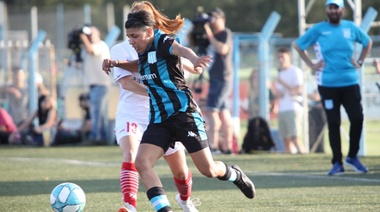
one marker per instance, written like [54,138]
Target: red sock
[129,183]
[184,186]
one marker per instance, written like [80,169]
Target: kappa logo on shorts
[191,134]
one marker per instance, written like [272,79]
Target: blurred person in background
[96,51]
[338,79]
[39,82]
[376,64]
[252,102]
[7,126]
[46,114]
[67,134]
[317,118]
[288,90]
[220,87]
[17,96]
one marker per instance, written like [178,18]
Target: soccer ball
[67,197]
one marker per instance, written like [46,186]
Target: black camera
[74,41]
[198,34]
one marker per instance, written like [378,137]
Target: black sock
[158,199]
[227,175]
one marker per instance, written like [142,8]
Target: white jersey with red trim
[131,105]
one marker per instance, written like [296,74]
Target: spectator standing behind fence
[253,95]
[220,73]
[338,78]
[16,95]
[288,90]
[96,51]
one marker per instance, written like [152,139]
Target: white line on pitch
[105,164]
[300,175]
[60,160]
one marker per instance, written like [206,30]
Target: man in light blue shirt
[338,78]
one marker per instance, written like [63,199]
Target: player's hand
[202,63]
[107,65]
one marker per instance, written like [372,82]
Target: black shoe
[244,183]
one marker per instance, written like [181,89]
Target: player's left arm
[200,63]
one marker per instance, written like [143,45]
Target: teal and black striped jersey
[163,75]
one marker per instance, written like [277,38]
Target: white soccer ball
[67,197]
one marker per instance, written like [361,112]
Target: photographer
[220,73]
[197,37]
[96,51]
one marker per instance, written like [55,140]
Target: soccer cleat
[336,169]
[244,183]
[127,208]
[188,205]
[356,165]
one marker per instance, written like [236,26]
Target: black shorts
[188,128]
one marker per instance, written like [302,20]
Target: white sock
[233,174]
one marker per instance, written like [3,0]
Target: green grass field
[283,182]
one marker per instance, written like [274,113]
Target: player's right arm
[108,64]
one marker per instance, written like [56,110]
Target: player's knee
[140,165]
[129,156]
[180,175]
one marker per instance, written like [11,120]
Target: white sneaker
[189,205]
[127,208]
